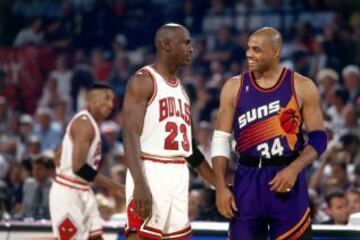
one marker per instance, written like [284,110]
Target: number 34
[276,149]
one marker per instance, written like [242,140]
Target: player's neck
[270,74]
[165,69]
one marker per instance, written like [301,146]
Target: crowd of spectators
[96,40]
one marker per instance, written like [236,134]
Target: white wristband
[220,145]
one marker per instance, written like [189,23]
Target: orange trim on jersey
[154,87]
[303,224]
[293,89]
[71,186]
[164,161]
[273,88]
[70,179]
[239,91]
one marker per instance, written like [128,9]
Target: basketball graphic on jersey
[289,121]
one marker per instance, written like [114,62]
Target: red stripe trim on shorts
[165,161]
[70,186]
[70,179]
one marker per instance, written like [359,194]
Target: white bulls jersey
[94,154]
[167,123]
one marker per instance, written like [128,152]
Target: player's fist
[143,201]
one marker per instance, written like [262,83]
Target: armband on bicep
[196,158]
[86,172]
[318,140]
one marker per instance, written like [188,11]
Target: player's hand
[284,180]
[225,202]
[143,201]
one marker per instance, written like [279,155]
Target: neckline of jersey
[272,88]
[163,79]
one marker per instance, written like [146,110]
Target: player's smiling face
[259,53]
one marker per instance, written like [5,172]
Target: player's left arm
[309,100]
[197,160]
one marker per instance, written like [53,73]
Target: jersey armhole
[293,89]
[151,99]
[239,90]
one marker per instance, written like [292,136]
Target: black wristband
[196,158]
[86,172]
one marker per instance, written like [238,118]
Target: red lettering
[163,107]
[187,114]
[172,107]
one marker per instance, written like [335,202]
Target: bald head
[272,34]
[166,33]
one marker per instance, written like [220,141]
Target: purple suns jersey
[267,122]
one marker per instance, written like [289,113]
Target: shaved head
[166,33]
[272,34]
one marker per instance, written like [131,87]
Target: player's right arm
[225,200]
[138,91]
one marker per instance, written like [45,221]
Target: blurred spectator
[51,95]
[338,208]
[194,204]
[60,116]
[204,136]
[33,147]
[353,198]
[318,59]
[119,77]
[14,185]
[351,144]
[8,91]
[31,34]
[100,66]
[55,35]
[35,203]
[50,137]
[351,77]
[326,79]
[356,183]
[25,130]
[62,75]
[339,99]
[331,173]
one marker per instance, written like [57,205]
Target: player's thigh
[66,215]
[92,213]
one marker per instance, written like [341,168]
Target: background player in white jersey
[158,142]
[73,208]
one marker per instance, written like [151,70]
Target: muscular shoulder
[231,88]
[232,85]
[304,88]
[140,84]
[82,128]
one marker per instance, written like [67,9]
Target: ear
[166,45]
[277,53]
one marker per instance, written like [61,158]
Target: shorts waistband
[71,182]
[250,161]
[163,160]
